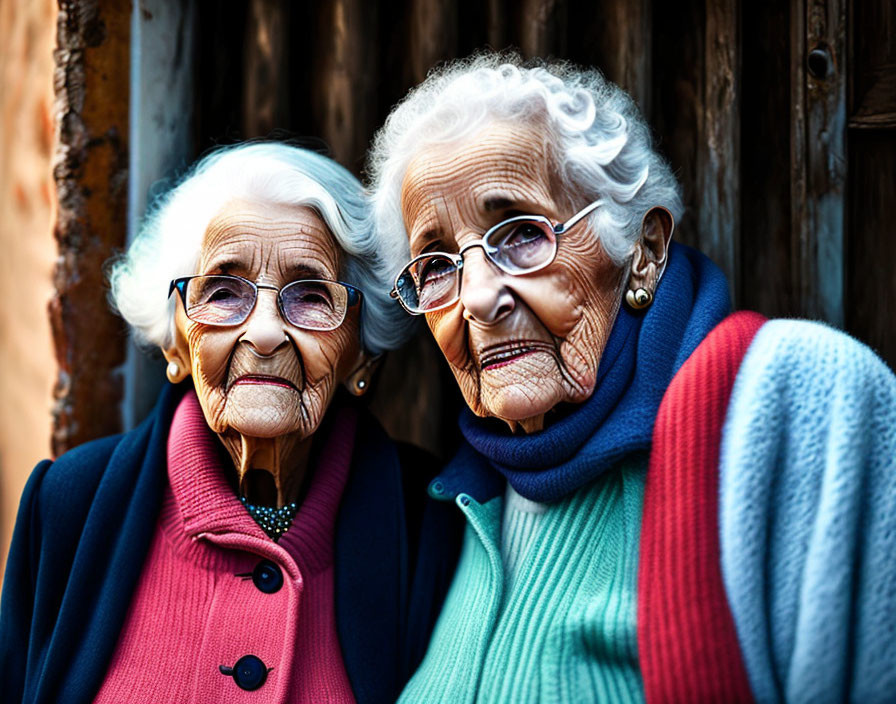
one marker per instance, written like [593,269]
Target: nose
[265,329]
[483,292]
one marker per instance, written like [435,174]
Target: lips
[265,379]
[495,356]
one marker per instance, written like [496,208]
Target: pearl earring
[173,370]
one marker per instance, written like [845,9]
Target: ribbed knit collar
[642,354]
[207,504]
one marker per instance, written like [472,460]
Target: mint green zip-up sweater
[563,628]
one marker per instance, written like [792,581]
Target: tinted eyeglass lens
[219,300]
[521,246]
[314,305]
[429,283]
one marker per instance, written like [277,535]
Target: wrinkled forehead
[504,161]
[251,239]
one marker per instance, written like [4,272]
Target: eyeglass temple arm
[564,226]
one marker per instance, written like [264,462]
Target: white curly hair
[170,238]
[601,144]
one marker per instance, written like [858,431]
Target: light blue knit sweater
[808,516]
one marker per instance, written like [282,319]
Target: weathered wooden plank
[266,73]
[718,145]
[870,290]
[765,251]
[878,107]
[677,87]
[498,24]
[91,174]
[542,27]
[343,91]
[218,97]
[616,37]
[872,100]
[433,35]
[818,154]
[871,285]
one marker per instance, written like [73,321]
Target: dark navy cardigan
[84,528]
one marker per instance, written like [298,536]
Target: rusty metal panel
[91,174]
[162,44]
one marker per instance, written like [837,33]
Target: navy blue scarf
[642,354]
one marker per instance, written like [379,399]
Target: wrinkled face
[518,345]
[265,377]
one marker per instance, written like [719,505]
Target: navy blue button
[249,673]
[267,577]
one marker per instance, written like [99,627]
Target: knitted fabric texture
[196,607]
[640,358]
[563,630]
[686,636]
[808,516]
[520,522]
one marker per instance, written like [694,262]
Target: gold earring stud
[639,299]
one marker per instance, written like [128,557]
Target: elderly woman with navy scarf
[258,535]
[663,501]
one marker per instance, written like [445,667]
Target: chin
[260,425]
[270,414]
[518,402]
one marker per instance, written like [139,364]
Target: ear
[359,378]
[178,358]
[651,250]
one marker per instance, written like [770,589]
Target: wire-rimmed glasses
[520,245]
[223,299]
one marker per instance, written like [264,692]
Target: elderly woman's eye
[525,234]
[222,294]
[216,291]
[433,269]
[311,295]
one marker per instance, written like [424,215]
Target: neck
[270,471]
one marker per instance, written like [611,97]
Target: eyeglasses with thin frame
[223,300]
[519,245]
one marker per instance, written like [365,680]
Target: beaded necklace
[273,521]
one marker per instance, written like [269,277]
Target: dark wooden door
[780,120]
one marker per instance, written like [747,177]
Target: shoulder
[810,367]
[61,491]
[804,345]
[806,513]
[76,473]
[803,384]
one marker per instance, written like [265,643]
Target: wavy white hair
[170,238]
[600,143]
